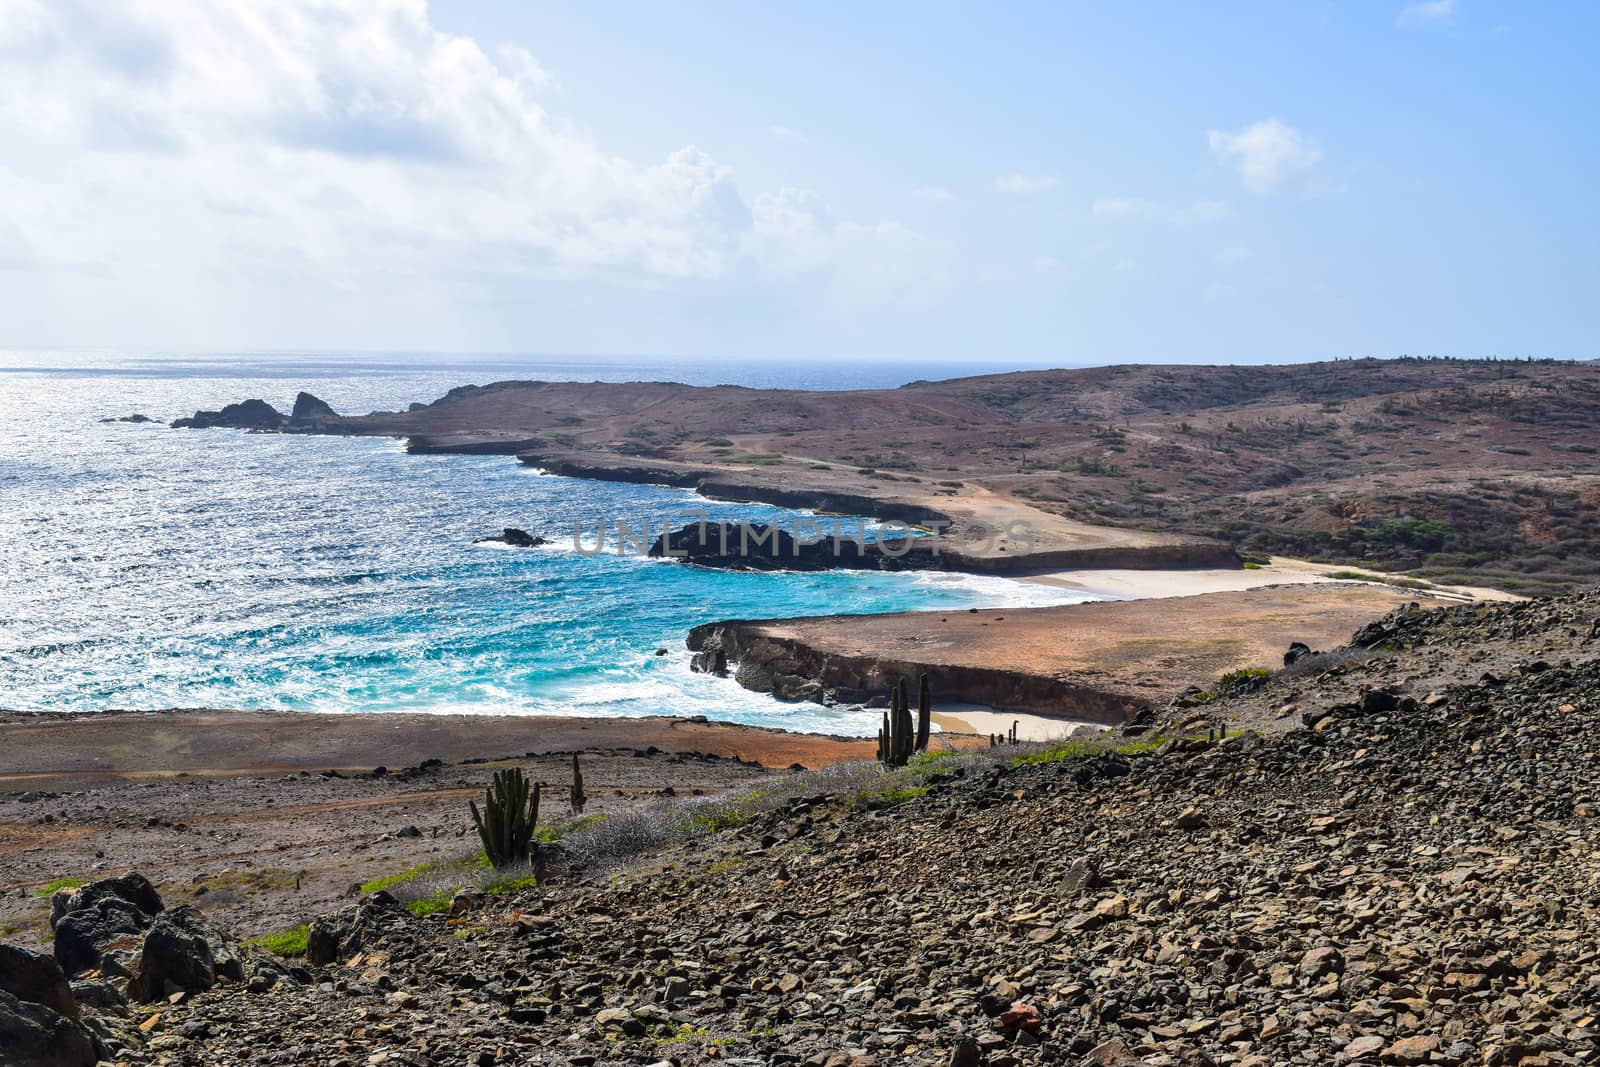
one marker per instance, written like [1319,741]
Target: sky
[1056,182]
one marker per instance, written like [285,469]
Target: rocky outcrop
[129,418]
[638,472]
[245,415]
[511,535]
[761,547]
[341,935]
[103,923]
[309,411]
[183,952]
[791,670]
[32,977]
[34,1035]
[309,415]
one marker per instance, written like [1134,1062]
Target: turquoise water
[143,567]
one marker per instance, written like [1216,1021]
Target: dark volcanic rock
[83,933]
[759,547]
[129,418]
[133,887]
[32,977]
[310,409]
[37,1036]
[337,936]
[514,537]
[183,951]
[245,415]
[100,914]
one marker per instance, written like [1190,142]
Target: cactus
[896,741]
[509,815]
[578,797]
[924,713]
[1012,738]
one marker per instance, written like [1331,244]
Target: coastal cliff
[1096,662]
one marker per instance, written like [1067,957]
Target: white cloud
[937,194]
[1269,155]
[342,144]
[1025,183]
[1425,14]
[1123,207]
[785,133]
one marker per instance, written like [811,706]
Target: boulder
[183,951]
[83,933]
[335,937]
[42,1037]
[133,887]
[37,979]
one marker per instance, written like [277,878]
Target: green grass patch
[1246,676]
[432,904]
[895,795]
[1078,748]
[505,885]
[60,883]
[290,943]
[479,862]
[759,459]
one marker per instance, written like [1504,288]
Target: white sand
[1140,585]
[983,721]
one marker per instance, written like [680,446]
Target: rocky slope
[1388,878]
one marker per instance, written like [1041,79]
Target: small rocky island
[769,547]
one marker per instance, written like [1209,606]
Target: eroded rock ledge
[1099,662]
[791,670]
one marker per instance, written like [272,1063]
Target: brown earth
[238,813]
[1098,662]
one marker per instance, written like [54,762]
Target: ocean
[144,567]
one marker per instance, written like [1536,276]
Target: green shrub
[290,943]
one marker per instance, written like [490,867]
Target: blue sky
[1070,183]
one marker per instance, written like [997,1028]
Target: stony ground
[1404,880]
[1396,879]
[260,852]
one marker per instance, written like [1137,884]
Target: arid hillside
[1469,472]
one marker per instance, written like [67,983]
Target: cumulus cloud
[342,140]
[1022,184]
[1269,155]
[1425,14]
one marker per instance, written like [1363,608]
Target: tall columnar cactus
[896,739]
[924,713]
[510,814]
[578,797]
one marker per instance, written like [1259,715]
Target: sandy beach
[1123,584]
